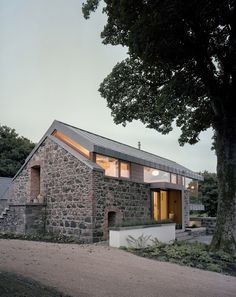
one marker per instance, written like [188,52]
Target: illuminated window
[124,169]
[110,165]
[71,142]
[152,175]
[192,186]
[179,180]
[173,178]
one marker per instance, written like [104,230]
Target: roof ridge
[120,143]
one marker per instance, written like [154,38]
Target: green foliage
[142,222]
[208,193]
[139,242]
[47,237]
[189,254]
[13,151]
[180,69]
[176,70]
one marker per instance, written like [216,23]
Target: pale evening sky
[51,64]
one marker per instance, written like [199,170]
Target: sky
[52,61]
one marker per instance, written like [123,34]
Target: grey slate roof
[116,149]
[4,184]
[102,145]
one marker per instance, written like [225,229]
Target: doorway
[166,204]
[111,218]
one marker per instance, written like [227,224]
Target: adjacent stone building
[78,184]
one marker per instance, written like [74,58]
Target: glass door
[163,205]
[156,205]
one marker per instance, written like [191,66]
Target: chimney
[139,145]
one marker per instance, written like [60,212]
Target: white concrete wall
[164,233]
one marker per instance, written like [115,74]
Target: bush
[129,223]
[190,254]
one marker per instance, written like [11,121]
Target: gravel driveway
[100,271]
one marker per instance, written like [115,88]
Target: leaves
[13,151]
[179,66]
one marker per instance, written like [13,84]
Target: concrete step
[184,235]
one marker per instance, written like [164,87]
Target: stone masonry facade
[77,199]
[186,208]
[127,199]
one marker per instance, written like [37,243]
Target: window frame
[119,166]
[129,169]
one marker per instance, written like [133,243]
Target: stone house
[78,183]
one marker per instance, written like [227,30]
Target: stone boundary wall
[209,223]
[24,218]
[3,204]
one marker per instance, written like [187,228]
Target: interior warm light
[192,187]
[155,172]
[70,142]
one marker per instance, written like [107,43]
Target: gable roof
[102,145]
[4,184]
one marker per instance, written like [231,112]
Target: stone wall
[209,223]
[129,200]
[186,208]
[23,218]
[3,204]
[14,220]
[65,184]
[68,192]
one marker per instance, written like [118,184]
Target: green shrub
[129,223]
[190,254]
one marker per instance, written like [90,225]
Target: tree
[181,69]
[13,151]
[208,192]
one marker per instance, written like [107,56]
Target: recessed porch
[167,203]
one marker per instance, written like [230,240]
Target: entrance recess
[166,204]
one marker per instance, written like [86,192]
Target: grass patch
[190,254]
[47,237]
[129,223]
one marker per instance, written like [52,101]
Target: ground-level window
[35,182]
[110,165]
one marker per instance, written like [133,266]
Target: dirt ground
[13,285]
[100,271]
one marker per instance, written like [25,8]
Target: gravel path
[100,271]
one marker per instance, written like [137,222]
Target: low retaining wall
[208,222]
[24,218]
[164,233]
[3,204]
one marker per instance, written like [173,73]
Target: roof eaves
[183,171]
[92,165]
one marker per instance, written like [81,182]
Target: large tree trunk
[225,233]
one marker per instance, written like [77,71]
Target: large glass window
[124,169]
[192,186]
[110,165]
[173,178]
[179,180]
[152,175]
